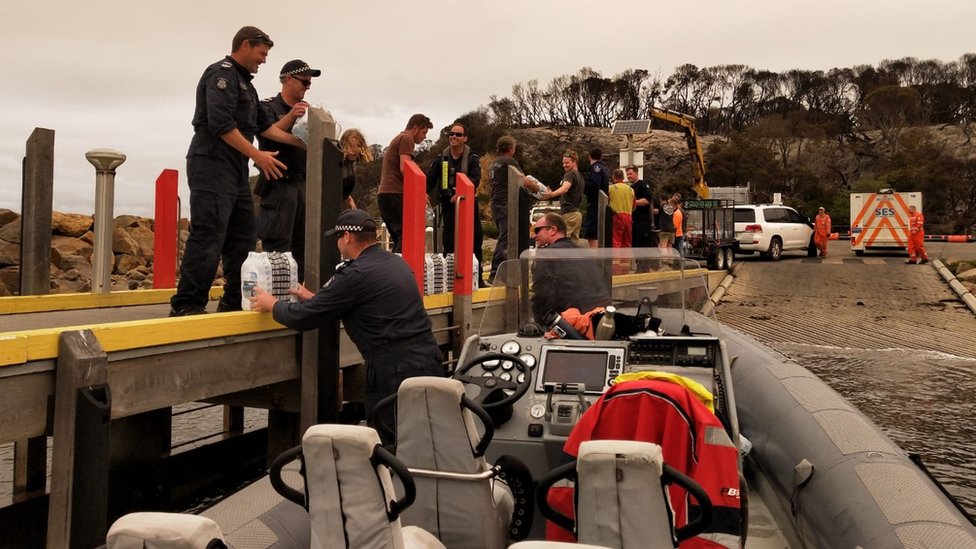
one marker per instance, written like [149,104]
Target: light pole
[105,162]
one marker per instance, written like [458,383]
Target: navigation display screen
[588,367]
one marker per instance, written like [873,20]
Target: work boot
[910,262]
[923,261]
[223,307]
[187,310]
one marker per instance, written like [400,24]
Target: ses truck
[880,220]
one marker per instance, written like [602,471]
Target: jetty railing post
[105,162]
[165,229]
[463,260]
[516,243]
[414,221]
[37,193]
[323,201]
[78,506]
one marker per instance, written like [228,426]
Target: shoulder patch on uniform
[221,83]
[242,85]
[226,65]
[596,168]
[267,100]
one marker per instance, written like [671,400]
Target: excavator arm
[687,122]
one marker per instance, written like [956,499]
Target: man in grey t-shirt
[570,194]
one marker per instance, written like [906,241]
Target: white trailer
[880,220]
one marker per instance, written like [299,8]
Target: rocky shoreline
[72,239]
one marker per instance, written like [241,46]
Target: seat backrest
[620,499]
[349,498]
[436,432]
[164,531]
[692,439]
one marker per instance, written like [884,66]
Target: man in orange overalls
[821,231]
[916,236]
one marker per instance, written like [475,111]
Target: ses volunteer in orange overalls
[821,231]
[916,236]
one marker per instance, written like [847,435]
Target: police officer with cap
[281,219]
[225,122]
[375,295]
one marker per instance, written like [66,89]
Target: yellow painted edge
[68,302]
[119,336]
[657,275]
[13,349]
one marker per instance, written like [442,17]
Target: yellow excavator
[687,122]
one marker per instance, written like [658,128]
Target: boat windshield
[654,291]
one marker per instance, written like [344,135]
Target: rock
[72,274]
[10,280]
[183,225]
[6,216]
[9,253]
[968,275]
[144,238]
[77,263]
[11,231]
[126,262]
[124,221]
[122,243]
[135,274]
[66,245]
[64,286]
[70,224]
[88,237]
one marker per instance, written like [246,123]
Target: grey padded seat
[349,498]
[164,531]
[436,433]
[621,501]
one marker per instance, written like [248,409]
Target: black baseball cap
[297,66]
[353,221]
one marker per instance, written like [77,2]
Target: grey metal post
[601,219]
[105,162]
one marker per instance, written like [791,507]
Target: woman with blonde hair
[355,149]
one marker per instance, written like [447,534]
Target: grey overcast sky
[121,74]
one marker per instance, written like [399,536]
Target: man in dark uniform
[225,122]
[558,284]
[375,295]
[597,179]
[281,219]
[458,157]
[643,235]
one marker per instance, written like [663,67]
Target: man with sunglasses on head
[281,218]
[225,122]
[442,181]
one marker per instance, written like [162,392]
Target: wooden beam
[78,508]
[36,200]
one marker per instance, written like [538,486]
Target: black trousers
[222,226]
[391,210]
[448,213]
[387,369]
[281,220]
[500,214]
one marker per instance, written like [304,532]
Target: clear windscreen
[653,290]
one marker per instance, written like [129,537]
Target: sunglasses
[304,82]
[537,230]
[455,134]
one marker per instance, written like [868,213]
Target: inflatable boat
[598,406]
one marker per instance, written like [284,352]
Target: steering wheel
[491,387]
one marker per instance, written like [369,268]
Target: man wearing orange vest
[821,232]
[916,236]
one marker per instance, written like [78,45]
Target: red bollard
[464,235]
[165,234]
[414,221]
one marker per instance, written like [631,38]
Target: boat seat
[552,545]
[693,442]
[461,499]
[164,531]
[620,496]
[350,494]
